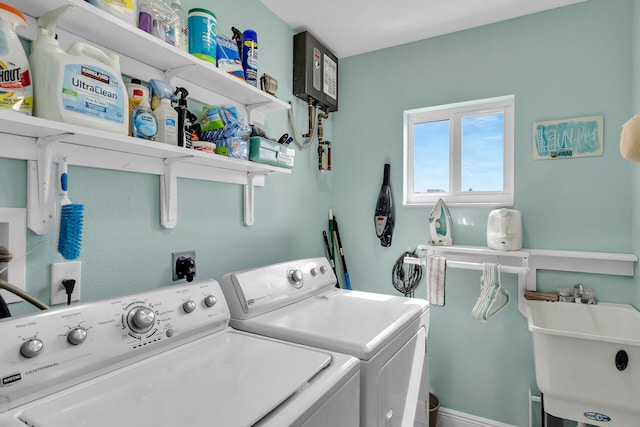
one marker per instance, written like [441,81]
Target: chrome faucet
[582,295]
[578,291]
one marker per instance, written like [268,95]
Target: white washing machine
[165,358]
[297,301]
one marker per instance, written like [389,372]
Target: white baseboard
[451,418]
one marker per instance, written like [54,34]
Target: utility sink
[587,361]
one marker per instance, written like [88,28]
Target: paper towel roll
[630,139]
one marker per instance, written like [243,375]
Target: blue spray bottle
[250,57]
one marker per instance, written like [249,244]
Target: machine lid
[227,379]
[350,322]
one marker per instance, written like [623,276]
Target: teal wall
[565,63]
[635,176]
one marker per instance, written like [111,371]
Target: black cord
[406,277]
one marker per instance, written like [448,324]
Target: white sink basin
[577,348]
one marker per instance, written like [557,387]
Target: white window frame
[454,113]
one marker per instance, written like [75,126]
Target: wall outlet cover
[59,272]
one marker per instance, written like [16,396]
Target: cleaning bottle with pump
[81,86]
[16,92]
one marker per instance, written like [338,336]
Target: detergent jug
[81,86]
[504,230]
[16,92]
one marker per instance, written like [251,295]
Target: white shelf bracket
[169,193]
[249,196]
[173,72]
[254,114]
[41,185]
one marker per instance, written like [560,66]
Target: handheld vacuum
[384,218]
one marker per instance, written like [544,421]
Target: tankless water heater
[315,72]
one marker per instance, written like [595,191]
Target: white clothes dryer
[165,358]
[297,301]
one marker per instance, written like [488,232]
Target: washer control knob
[295,277]
[210,300]
[314,272]
[76,336]
[31,348]
[141,319]
[323,269]
[189,306]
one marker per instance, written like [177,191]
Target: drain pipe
[533,399]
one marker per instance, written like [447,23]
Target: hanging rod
[470,265]
[478,266]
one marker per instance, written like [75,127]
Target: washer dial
[295,278]
[31,348]
[141,319]
[77,335]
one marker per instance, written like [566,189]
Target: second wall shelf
[525,263]
[44,142]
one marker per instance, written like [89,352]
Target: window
[462,153]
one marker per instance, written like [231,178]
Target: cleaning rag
[436,276]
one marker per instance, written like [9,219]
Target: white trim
[454,114]
[451,418]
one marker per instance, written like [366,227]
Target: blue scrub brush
[71,218]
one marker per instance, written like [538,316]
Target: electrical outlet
[62,271]
[175,256]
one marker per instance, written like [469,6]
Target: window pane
[483,153]
[431,157]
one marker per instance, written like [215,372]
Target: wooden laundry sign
[566,139]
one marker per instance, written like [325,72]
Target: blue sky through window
[482,154]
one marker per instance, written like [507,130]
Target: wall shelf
[525,263]
[92,24]
[44,142]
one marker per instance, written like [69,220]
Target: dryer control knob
[323,269]
[295,277]
[189,306]
[76,336]
[314,272]
[210,300]
[141,319]
[31,348]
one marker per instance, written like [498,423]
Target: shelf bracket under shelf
[173,72]
[41,186]
[169,192]
[249,196]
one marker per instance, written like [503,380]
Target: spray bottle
[16,92]
[81,86]
[186,119]
[250,57]
[384,218]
